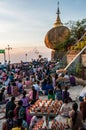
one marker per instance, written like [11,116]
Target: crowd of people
[21,85]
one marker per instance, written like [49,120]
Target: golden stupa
[56,35]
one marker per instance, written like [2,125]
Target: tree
[77,29]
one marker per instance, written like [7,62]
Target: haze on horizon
[24,24]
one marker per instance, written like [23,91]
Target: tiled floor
[74,93]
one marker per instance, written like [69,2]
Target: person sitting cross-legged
[65,109]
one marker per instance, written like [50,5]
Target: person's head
[71,74]
[24,93]
[27,78]
[75,106]
[59,86]
[0,82]
[20,102]
[50,91]
[33,87]
[3,89]
[13,99]
[66,88]
[66,100]
[66,73]
[14,84]
[62,75]
[10,114]
[20,81]
[34,92]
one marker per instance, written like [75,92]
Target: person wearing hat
[83,108]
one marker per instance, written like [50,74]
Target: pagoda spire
[58,21]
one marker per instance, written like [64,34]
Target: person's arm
[71,113]
[63,96]
[30,95]
[33,121]
[61,109]
[4,126]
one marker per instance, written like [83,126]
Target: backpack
[11,124]
[22,113]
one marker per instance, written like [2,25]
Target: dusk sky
[24,23]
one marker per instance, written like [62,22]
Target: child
[65,109]
[51,94]
[25,100]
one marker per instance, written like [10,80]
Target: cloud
[28,21]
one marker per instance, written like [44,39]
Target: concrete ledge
[80,81]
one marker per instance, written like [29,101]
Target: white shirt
[65,109]
[66,76]
[36,87]
[83,93]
